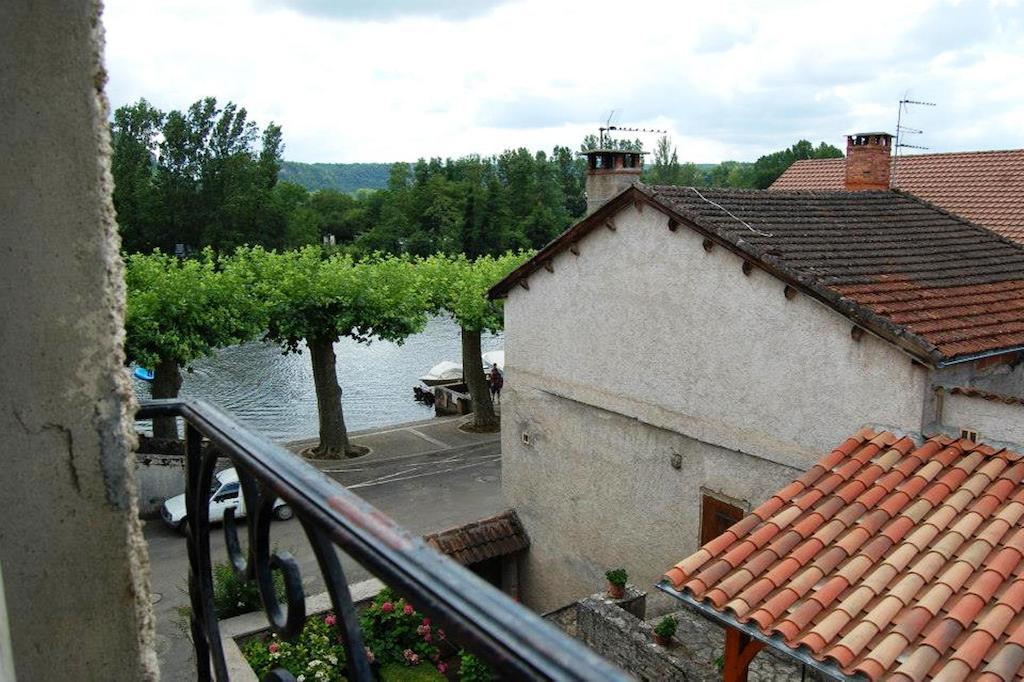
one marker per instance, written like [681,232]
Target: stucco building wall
[75,568]
[995,422]
[647,344]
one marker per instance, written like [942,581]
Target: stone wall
[75,566]
[159,477]
[694,653]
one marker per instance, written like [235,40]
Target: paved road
[427,476]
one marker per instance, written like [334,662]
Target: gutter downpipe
[829,670]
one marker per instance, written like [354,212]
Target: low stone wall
[623,637]
[159,477]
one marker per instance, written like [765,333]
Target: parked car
[225,493]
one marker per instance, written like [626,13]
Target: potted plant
[616,582]
[664,630]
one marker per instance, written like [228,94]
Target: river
[273,393]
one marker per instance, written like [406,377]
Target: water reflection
[274,394]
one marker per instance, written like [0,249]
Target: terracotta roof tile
[928,582]
[984,187]
[481,540]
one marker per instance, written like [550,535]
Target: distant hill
[345,177]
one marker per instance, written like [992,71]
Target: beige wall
[75,570]
[995,422]
[645,328]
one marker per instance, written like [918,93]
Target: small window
[716,517]
[228,492]
[969,434]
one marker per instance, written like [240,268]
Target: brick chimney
[609,171]
[868,161]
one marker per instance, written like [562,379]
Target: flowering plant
[317,654]
[395,631]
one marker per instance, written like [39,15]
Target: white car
[225,493]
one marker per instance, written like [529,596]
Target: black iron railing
[515,641]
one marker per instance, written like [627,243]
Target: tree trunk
[166,383]
[476,380]
[333,436]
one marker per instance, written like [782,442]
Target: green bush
[473,669]
[666,627]
[233,596]
[396,633]
[617,577]
[318,653]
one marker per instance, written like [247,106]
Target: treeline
[181,309]
[343,177]
[664,167]
[208,177]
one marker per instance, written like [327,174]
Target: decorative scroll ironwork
[515,641]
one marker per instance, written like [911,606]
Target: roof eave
[829,670]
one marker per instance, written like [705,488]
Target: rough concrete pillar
[75,568]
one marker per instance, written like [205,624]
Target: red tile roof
[971,392]
[984,187]
[939,287]
[481,540]
[886,559]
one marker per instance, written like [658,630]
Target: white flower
[300,678]
[333,659]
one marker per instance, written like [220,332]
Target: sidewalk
[406,440]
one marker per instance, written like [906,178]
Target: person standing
[496,382]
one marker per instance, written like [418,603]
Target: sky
[389,80]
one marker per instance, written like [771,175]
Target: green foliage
[617,577]
[666,627]
[396,672]
[202,177]
[458,286]
[473,669]
[396,633]
[340,177]
[317,654]
[182,309]
[233,596]
[308,294]
[666,169]
[591,142]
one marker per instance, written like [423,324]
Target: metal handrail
[511,638]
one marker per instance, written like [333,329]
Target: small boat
[443,372]
[143,373]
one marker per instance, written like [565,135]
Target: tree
[769,167]
[134,138]
[459,287]
[317,299]
[180,310]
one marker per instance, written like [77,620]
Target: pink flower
[426,621]
[408,609]
[423,629]
[411,657]
[442,668]
[273,647]
[369,654]
[330,619]
[427,637]
[440,633]
[387,607]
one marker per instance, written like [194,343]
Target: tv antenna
[902,130]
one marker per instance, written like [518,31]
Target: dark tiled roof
[972,392]
[481,540]
[985,187]
[889,560]
[938,286]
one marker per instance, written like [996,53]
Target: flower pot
[616,591]
[662,641]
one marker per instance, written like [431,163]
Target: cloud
[384,10]
[731,79]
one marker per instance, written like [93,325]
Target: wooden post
[740,650]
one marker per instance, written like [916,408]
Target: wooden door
[716,517]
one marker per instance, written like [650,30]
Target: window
[716,517]
[228,492]
[969,434]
